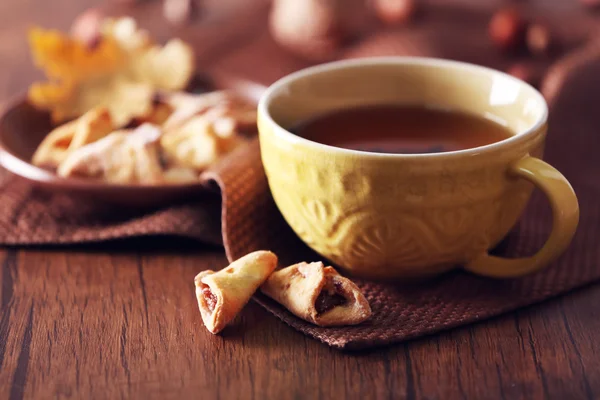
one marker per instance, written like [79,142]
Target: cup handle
[565,213]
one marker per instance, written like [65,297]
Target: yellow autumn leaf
[121,73]
[64,58]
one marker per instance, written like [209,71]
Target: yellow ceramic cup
[411,215]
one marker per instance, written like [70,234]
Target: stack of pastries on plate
[121,110]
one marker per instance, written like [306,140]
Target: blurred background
[265,39]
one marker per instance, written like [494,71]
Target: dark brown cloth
[29,216]
[250,221]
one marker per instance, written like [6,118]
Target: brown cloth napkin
[251,221]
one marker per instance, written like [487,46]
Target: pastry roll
[318,294]
[156,115]
[180,175]
[197,145]
[121,157]
[63,140]
[215,106]
[221,295]
[188,105]
[204,128]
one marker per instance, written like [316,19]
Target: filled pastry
[221,295]
[203,128]
[187,105]
[197,144]
[218,106]
[121,157]
[318,294]
[91,126]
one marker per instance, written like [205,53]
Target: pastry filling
[329,298]
[209,298]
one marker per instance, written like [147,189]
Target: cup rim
[265,100]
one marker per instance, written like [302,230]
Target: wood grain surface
[120,320]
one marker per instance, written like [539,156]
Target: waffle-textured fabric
[250,221]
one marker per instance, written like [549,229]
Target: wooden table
[120,320]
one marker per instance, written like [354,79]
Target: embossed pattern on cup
[389,220]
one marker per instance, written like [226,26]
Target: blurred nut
[506,29]
[317,29]
[395,11]
[538,39]
[87,27]
[179,12]
[529,72]
[311,28]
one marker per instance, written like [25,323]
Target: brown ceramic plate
[22,128]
